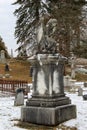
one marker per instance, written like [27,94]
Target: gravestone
[2,58]
[19,98]
[67,81]
[48,105]
[80,91]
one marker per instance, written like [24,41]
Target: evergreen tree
[3,47]
[70,15]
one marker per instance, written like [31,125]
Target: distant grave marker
[2,58]
[19,98]
[80,91]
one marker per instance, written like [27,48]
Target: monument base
[50,116]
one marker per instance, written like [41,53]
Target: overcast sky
[7,24]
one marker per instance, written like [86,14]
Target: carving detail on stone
[46,42]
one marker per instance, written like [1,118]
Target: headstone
[19,98]
[3,59]
[67,81]
[80,91]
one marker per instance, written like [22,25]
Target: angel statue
[46,43]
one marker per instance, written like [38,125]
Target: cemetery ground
[19,70]
[10,114]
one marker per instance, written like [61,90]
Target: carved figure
[46,43]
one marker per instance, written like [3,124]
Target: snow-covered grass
[9,114]
[81,121]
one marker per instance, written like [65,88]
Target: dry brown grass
[79,76]
[41,127]
[19,70]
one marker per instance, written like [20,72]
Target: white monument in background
[2,56]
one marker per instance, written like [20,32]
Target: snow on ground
[9,112]
[81,121]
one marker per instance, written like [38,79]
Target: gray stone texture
[2,56]
[48,115]
[19,97]
[80,91]
[49,105]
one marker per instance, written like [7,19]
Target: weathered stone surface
[48,74]
[48,115]
[48,105]
[19,97]
[80,91]
[48,102]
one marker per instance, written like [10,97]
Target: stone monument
[19,97]
[73,62]
[49,105]
[80,91]
[2,57]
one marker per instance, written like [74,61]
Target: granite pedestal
[49,105]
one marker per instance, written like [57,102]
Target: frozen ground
[81,121]
[9,113]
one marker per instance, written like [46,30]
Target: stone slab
[48,102]
[48,116]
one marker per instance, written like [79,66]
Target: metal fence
[12,85]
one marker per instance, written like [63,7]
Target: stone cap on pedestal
[47,58]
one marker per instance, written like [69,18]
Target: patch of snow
[9,113]
[81,105]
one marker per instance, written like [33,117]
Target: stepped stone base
[48,105]
[51,116]
[48,102]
